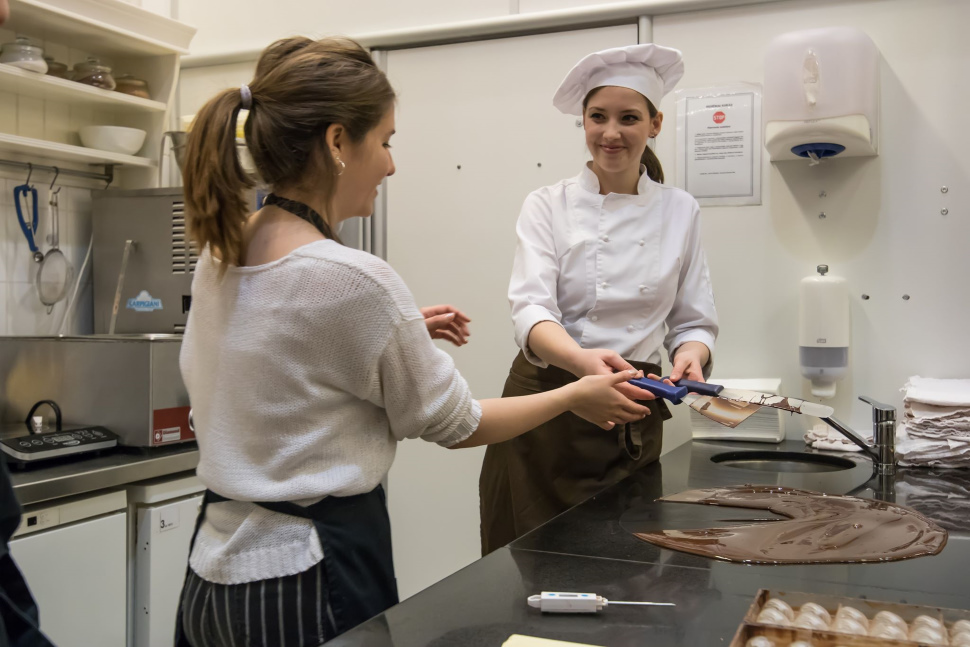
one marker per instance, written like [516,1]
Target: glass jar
[55,69]
[92,72]
[23,55]
[127,84]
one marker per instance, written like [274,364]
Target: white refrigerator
[162,514]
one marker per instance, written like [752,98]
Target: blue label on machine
[144,303]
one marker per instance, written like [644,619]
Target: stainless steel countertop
[121,466]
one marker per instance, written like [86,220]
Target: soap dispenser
[823,330]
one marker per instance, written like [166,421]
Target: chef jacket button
[642,243]
[604,285]
[594,318]
[643,288]
[629,328]
[606,239]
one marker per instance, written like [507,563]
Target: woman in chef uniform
[608,269]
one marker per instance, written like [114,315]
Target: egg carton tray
[783,636]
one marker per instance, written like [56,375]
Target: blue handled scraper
[729,407]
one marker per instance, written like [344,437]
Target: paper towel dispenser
[821,95]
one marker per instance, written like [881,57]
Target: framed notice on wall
[719,144]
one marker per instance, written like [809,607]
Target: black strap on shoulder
[300,210]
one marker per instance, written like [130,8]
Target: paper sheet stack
[935,427]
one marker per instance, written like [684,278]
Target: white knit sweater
[303,374]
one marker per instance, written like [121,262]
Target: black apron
[19,617]
[355,533]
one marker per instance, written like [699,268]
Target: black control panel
[54,444]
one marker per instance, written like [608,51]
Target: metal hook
[30,172]
[57,172]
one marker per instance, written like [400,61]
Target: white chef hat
[650,69]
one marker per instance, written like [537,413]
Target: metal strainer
[55,273]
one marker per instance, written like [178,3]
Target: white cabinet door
[77,576]
[161,554]
[476,132]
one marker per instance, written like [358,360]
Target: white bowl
[114,139]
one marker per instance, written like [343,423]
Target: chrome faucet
[883,450]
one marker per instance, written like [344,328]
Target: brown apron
[532,478]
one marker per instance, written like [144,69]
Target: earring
[343,167]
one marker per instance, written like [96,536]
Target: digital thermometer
[559,602]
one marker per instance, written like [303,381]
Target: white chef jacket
[623,272]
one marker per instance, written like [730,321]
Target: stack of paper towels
[935,427]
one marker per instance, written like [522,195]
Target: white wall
[231,25]
[225,25]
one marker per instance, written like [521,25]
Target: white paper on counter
[719,144]
[517,640]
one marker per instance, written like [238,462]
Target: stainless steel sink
[762,461]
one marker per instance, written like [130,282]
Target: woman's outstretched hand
[601,361]
[597,399]
[448,323]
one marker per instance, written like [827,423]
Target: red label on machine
[719,117]
[171,426]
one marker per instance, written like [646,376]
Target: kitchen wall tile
[4,308]
[6,190]
[57,116]
[80,116]
[28,315]
[8,113]
[30,117]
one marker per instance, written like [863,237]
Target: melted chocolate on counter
[820,528]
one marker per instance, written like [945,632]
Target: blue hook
[28,225]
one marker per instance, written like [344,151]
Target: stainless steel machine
[130,384]
[143,261]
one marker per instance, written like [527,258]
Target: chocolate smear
[819,529]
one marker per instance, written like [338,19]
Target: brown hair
[301,87]
[649,159]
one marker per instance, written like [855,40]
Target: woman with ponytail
[306,361]
[608,269]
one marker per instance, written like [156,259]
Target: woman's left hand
[689,361]
[448,323]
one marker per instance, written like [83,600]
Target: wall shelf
[41,149]
[106,27]
[40,86]
[41,113]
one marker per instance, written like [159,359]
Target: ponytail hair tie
[247,97]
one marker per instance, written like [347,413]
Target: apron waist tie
[281,507]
